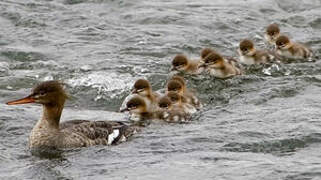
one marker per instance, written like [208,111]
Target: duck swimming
[272,33]
[221,67]
[171,113]
[143,88]
[293,50]
[139,109]
[181,63]
[50,133]
[250,55]
[178,84]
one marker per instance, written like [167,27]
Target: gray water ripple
[261,125]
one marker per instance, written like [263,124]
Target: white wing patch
[113,136]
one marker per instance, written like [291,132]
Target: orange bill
[25,100]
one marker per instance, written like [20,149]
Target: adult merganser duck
[49,133]
[250,55]
[292,50]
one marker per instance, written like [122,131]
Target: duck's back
[88,133]
[80,133]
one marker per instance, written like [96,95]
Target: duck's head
[175,86]
[179,78]
[283,42]
[272,32]
[48,93]
[142,87]
[135,105]
[179,63]
[174,97]
[213,60]
[246,48]
[205,52]
[165,103]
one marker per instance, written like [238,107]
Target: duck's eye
[42,93]
[163,106]
[272,33]
[244,49]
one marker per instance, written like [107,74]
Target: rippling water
[263,125]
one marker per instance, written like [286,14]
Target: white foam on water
[105,82]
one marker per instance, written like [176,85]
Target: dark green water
[256,126]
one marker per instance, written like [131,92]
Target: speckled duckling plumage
[171,113]
[178,84]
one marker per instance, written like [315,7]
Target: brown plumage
[205,52]
[171,113]
[183,64]
[49,133]
[272,33]
[177,84]
[220,67]
[272,29]
[288,49]
[139,109]
[250,55]
[179,78]
[143,88]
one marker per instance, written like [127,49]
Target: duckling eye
[272,33]
[163,106]
[42,93]
[177,64]
[244,49]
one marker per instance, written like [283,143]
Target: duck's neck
[51,115]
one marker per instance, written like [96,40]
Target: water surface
[262,125]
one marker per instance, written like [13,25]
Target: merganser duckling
[292,50]
[143,88]
[48,133]
[221,67]
[170,113]
[182,64]
[205,52]
[180,102]
[177,84]
[250,55]
[139,109]
[272,33]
